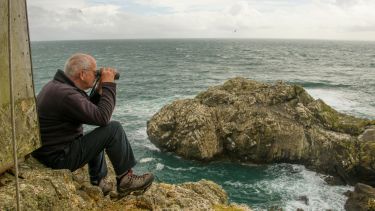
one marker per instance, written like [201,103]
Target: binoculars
[99,73]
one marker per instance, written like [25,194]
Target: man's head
[81,69]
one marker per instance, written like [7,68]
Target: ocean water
[157,72]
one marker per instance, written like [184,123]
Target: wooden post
[26,121]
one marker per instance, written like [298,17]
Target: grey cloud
[247,18]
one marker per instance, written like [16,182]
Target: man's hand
[107,74]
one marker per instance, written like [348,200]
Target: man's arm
[95,98]
[78,107]
[107,76]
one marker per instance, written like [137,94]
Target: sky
[145,19]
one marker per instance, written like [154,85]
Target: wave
[339,100]
[189,169]
[250,64]
[146,160]
[294,187]
[159,167]
[145,144]
[323,84]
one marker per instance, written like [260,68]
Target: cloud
[184,5]
[79,21]
[317,19]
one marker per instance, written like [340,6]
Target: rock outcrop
[362,198]
[46,189]
[255,122]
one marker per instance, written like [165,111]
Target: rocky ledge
[362,198]
[254,122]
[42,188]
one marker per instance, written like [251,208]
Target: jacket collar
[61,77]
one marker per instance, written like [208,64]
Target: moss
[339,122]
[302,95]
[371,204]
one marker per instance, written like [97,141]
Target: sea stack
[254,122]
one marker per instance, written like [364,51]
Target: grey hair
[76,62]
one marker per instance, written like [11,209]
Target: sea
[156,72]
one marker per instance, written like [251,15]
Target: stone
[366,154]
[362,198]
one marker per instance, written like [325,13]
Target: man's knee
[116,127]
[115,124]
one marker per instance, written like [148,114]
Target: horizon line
[209,38]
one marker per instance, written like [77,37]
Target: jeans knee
[116,127]
[115,124]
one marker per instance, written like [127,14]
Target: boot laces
[137,177]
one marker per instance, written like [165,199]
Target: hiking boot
[133,183]
[105,186]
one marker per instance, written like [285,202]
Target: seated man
[63,106]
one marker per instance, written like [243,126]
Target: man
[63,106]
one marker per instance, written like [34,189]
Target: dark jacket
[63,108]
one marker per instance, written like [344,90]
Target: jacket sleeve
[95,98]
[79,108]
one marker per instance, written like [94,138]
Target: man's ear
[81,75]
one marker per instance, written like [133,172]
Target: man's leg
[89,149]
[113,139]
[97,168]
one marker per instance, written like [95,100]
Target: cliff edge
[47,189]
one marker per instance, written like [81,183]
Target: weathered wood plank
[27,130]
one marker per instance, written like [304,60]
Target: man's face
[89,76]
